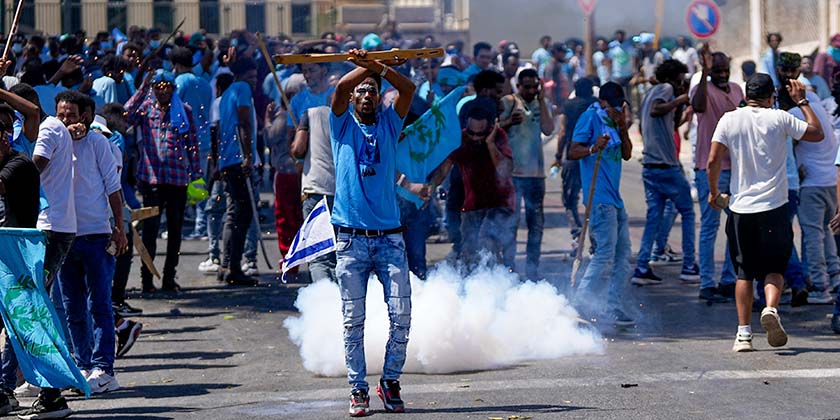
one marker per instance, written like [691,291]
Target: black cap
[613,93]
[759,86]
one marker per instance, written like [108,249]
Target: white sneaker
[100,382]
[209,266]
[776,335]
[743,343]
[250,269]
[27,390]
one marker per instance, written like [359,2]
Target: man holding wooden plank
[365,214]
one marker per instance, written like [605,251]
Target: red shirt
[484,188]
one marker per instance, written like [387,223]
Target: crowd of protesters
[192,125]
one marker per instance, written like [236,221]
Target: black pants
[173,200]
[238,217]
[122,269]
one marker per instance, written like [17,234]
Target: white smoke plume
[487,320]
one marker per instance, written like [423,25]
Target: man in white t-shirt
[88,270]
[759,229]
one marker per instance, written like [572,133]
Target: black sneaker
[711,294]
[240,279]
[620,319]
[359,403]
[43,409]
[5,404]
[728,290]
[126,310]
[127,335]
[800,297]
[644,278]
[389,393]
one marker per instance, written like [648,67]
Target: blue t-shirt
[110,91]
[236,96]
[365,202]
[304,100]
[588,128]
[196,93]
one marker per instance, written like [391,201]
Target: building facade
[298,18]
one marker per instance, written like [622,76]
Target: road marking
[474,386]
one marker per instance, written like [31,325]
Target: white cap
[100,124]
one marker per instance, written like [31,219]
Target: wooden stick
[141,249]
[276,80]
[392,54]
[13,29]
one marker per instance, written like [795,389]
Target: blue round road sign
[702,18]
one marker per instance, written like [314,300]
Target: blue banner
[28,314]
[429,141]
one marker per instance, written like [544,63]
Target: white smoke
[487,320]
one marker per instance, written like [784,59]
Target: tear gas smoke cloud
[488,320]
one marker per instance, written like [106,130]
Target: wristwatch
[803,101]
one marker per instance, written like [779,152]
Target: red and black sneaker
[359,403]
[389,392]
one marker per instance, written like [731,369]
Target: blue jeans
[709,226]
[532,190]
[661,185]
[490,230]
[323,266]
[85,280]
[611,239]
[357,258]
[669,216]
[417,223]
[201,207]
[252,239]
[215,211]
[817,205]
[795,273]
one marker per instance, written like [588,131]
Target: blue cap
[371,41]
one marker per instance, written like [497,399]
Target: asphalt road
[221,353]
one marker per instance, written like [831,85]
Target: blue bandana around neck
[608,126]
[369,152]
[177,112]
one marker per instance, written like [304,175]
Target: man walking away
[758,228]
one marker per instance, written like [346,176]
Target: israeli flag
[315,238]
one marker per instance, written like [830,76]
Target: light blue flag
[29,316]
[429,141]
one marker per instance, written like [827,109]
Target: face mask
[107,45]
[154,44]
[17,48]
[835,53]
[167,65]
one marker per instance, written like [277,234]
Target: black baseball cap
[760,86]
[613,93]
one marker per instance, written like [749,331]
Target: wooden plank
[144,213]
[372,55]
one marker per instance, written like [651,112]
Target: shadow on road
[523,408]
